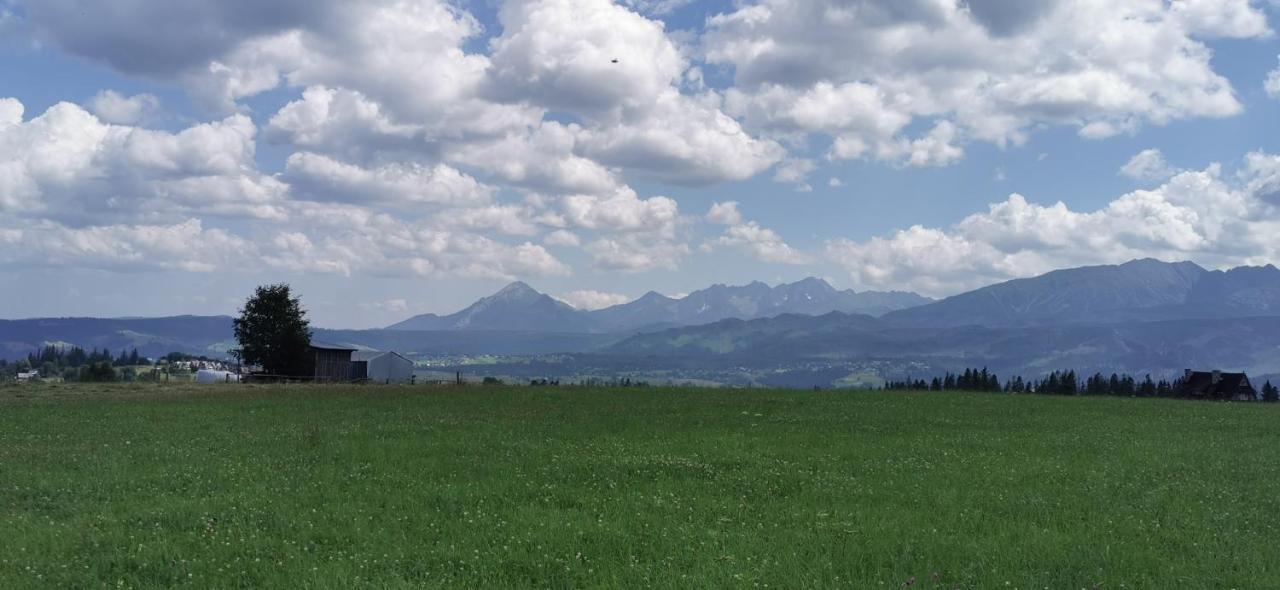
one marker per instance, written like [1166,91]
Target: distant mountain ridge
[516,307]
[1145,289]
[519,306]
[1140,316]
[1136,317]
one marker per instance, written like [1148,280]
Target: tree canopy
[273,331]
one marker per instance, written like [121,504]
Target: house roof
[327,346]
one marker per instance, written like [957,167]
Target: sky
[395,157]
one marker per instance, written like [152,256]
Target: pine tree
[1269,393]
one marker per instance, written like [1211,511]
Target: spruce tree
[1269,393]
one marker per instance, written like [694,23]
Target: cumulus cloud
[544,158]
[796,171]
[562,237]
[991,70]
[636,253]
[1272,83]
[318,177]
[587,56]
[382,246]
[593,300]
[1199,215]
[685,140]
[68,165]
[724,213]
[763,243]
[187,246]
[420,143]
[623,211]
[113,107]
[1148,165]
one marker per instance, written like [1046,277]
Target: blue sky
[404,156]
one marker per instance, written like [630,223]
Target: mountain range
[1140,316]
[519,307]
[1144,289]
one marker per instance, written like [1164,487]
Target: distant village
[329,363]
[335,363]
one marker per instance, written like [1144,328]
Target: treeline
[970,380]
[75,357]
[73,363]
[1058,383]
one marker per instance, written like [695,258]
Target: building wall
[390,368]
[332,365]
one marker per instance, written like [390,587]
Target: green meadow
[387,487]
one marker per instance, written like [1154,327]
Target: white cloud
[544,158]
[382,246]
[1238,19]
[1272,83]
[318,177]
[795,171]
[724,213]
[112,107]
[187,246]
[1148,165]
[763,243]
[586,56]
[511,220]
[1193,215]
[683,140]
[835,182]
[593,300]
[562,237]
[636,253]
[622,212]
[988,70]
[69,166]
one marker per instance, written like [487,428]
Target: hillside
[1137,290]
[1163,347]
[204,335]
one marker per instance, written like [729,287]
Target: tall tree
[1269,393]
[273,331]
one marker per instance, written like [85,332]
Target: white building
[381,366]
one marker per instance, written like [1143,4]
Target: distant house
[331,362]
[381,367]
[29,376]
[1215,385]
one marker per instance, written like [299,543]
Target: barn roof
[368,355]
[327,346]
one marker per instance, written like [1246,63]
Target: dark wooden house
[331,362]
[1215,385]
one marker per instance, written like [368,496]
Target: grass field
[327,487]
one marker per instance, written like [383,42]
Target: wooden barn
[1216,385]
[331,362]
